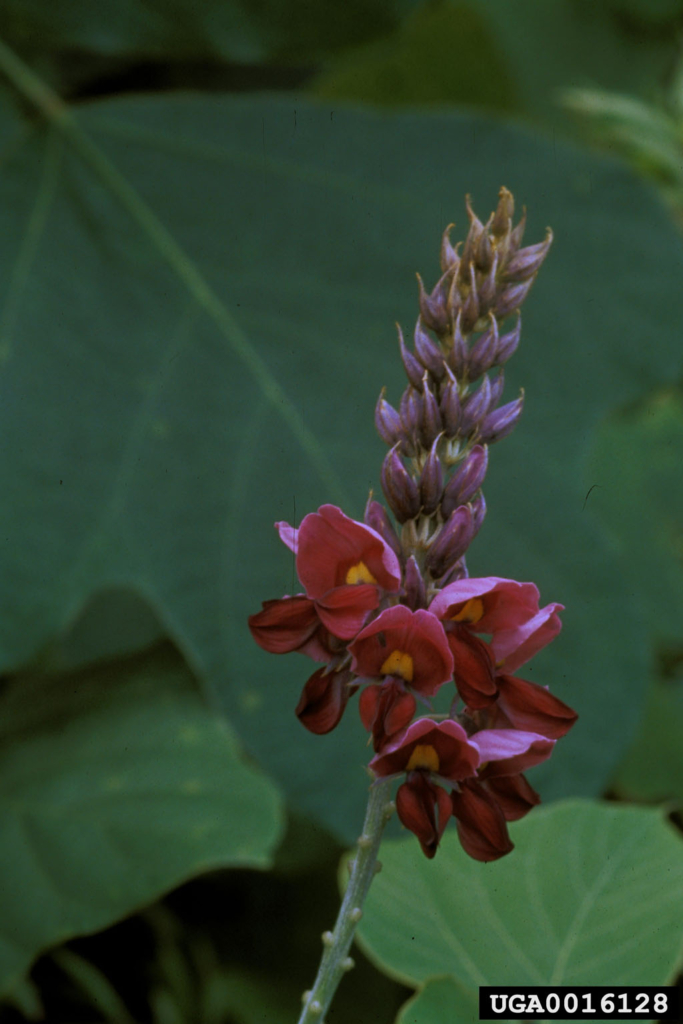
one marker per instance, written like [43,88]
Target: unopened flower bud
[470,305]
[470,248]
[484,254]
[414,586]
[449,257]
[508,343]
[526,262]
[387,421]
[511,298]
[431,481]
[505,211]
[428,352]
[411,409]
[483,353]
[434,308]
[516,236]
[411,365]
[431,417]
[501,422]
[451,543]
[497,388]
[457,356]
[478,512]
[476,407]
[399,488]
[488,287]
[466,480]
[376,518]
[450,407]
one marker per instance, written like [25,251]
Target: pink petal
[514,647]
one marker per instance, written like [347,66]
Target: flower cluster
[392,612]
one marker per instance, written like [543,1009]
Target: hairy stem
[335,959]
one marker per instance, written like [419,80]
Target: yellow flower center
[424,756]
[359,573]
[398,664]
[471,611]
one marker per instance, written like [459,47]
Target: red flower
[426,751]
[480,822]
[343,565]
[324,699]
[526,705]
[407,644]
[505,610]
[439,747]
[291,624]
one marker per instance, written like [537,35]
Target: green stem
[336,960]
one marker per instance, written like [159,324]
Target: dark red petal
[323,700]
[533,708]
[284,625]
[481,823]
[343,610]
[473,667]
[514,795]
[385,710]
[417,802]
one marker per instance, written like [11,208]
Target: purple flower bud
[478,513]
[449,257]
[411,365]
[399,488]
[483,353]
[476,407]
[458,572]
[434,308]
[472,241]
[431,417]
[411,408]
[488,287]
[501,422]
[375,516]
[470,305]
[451,543]
[428,352]
[526,262]
[431,481]
[511,298]
[387,421]
[505,211]
[509,342]
[484,254]
[414,586]
[516,236]
[466,480]
[450,407]
[497,387]
[457,356]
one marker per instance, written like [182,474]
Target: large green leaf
[592,895]
[442,999]
[653,766]
[115,786]
[634,473]
[196,326]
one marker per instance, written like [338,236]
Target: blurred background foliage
[200,267]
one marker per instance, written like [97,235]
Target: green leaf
[634,473]
[592,895]
[442,999]
[653,766]
[115,786]
[195,328]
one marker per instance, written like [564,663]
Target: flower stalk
[335,960]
